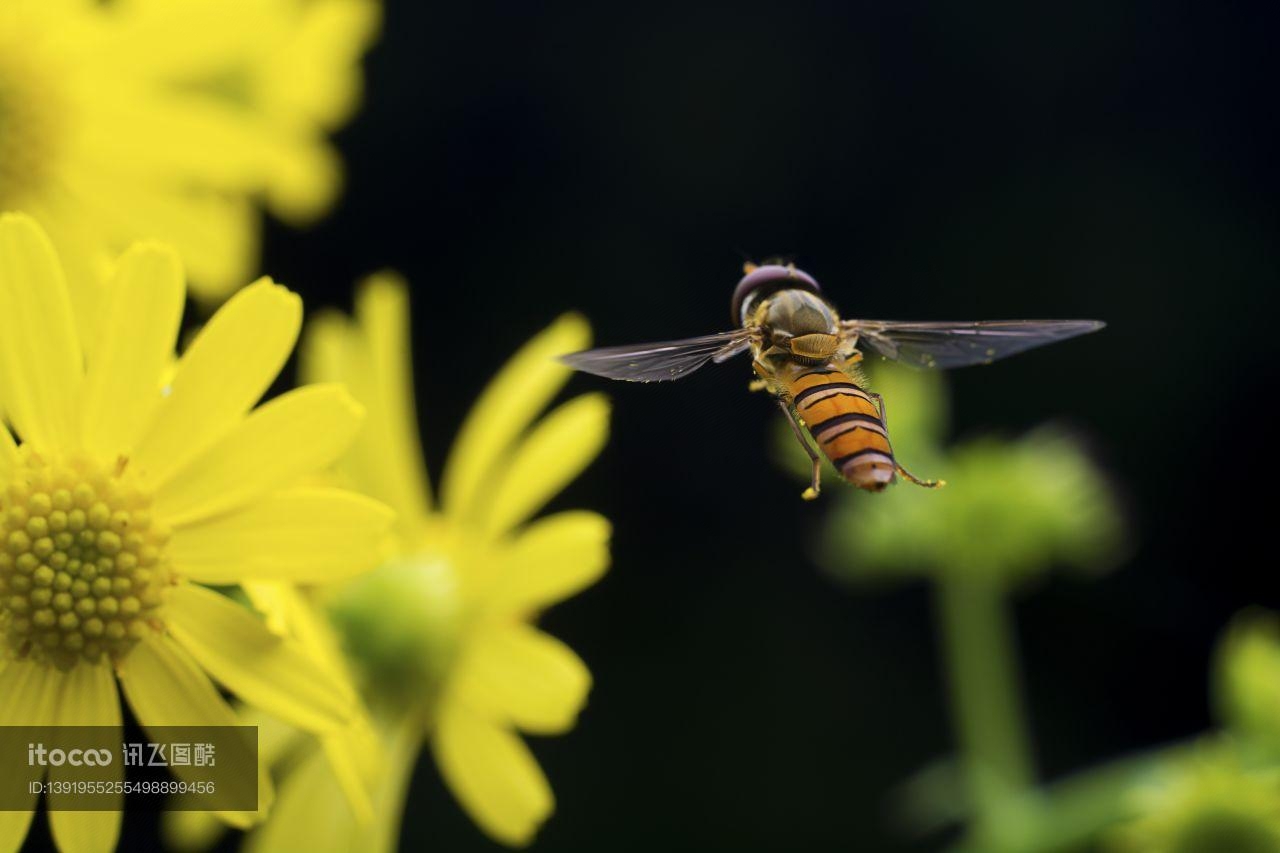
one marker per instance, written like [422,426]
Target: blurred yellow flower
[442,634]
[172,119]
[134,482]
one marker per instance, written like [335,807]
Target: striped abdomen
[846,424]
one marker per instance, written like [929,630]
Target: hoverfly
[807,358]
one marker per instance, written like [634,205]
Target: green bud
[1246,677]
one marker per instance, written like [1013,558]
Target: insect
[807,358]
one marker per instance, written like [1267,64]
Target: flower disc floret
[82,567]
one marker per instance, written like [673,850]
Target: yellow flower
[443,632]
[170,119]
[134,482]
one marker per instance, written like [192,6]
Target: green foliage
[1212,800]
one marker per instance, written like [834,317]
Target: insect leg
[815,481]
[761,382]
[884,418]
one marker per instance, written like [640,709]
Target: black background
[932,161]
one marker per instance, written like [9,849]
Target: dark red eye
[767,279]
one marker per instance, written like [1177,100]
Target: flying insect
[807,358]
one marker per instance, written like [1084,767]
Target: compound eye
[765,280]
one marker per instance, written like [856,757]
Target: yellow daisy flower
[443,633]
[170,119]
[126,481]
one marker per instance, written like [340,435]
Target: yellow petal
[8,452]
[40,358]
[277,741]
[261,668]
[285,608]
[314,810]
[304,177]
[228,367]
[28,694]
[317,74]
[300,536]
[298,433]
[521,389]
[516,672]
[382,307]
[374,361]
[169,138]
[324,354]
[185,40]
[28,697]
[400,743]
[14,826]
[493,775]
[165,687]
[559,448]
[335,351]
[310,813]
[139,330]
[88,698]
[349,754]
[552,559]
[352,750]
[216,234]
[189,831]
[85,261]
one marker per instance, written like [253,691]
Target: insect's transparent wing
[661,361]
[946,345]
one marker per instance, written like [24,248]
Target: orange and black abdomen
[846,424]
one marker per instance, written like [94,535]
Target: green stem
[987,711]
[1072,812]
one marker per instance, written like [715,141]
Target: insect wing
[661,361]
[946,345]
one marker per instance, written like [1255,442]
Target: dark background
[944,161]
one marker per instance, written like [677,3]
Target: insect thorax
[797,326]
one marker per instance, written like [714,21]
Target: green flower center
[403,622]
[33,117]
[82,569]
